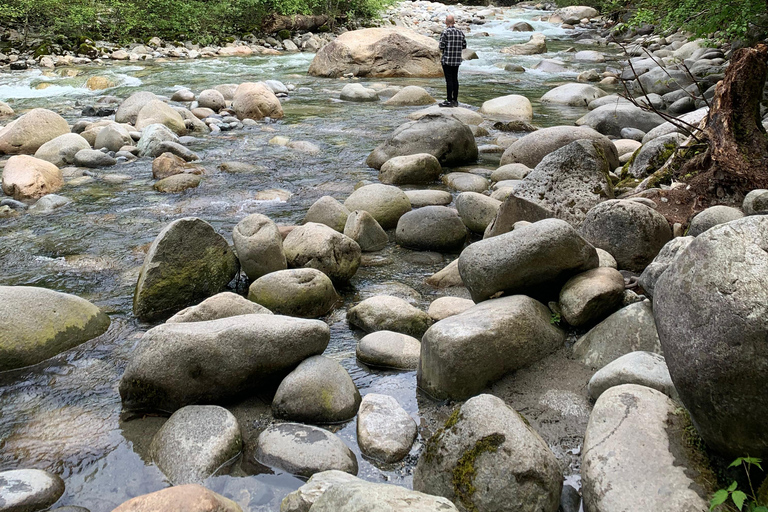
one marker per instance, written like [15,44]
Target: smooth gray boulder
[186,263]
[420,198]
[510,172]
[635,457]
[195,442]
[663,80]
[28,490]
[212,99]
[325,249]
[611,119]
[37,323]
[667,255]
[652,155]
[691,118]
[152,136]
[711,309]
[465,182]
[535,259]
[574,95]
[446,138]
[630,329]
[631,232]
[411,95]
[569,181]
[487,457]
[61,150]
[385,203]
[513,210]
[113,137]
[304,450]
[641,368]
[410,169]
[93,158]
[385,431]
[464,353]
[302,499]
[477,210]
[319,390]
[259,246]
[431,228]
[712,216]
[389,349]
[532,148]
[358,92]
[591,296]
[180,364]
[388,313]
[756,202]
[221,305]
[443,307]
[26,134]
[328,211]
[366,496]
[363,229]
[302,292]
[129,109]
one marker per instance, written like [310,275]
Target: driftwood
[276,22]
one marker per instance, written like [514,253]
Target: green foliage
[755,501]
[554,318]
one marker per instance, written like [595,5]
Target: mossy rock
[284,34]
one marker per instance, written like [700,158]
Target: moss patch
[464,471]
[430,449]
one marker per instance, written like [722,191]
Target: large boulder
[487,457]
[27,177]
[37,323]
[389,349]
[642,368]
[711,309]
[663,80]
[385,203]
[379,52]
[129,109]
[512,106]
[446,138]
[464,353]
[635,456]
[535,259]
[26,134]
[319,390]
[611,119]
[361,495]
[531,149]
[570,181]
[410,169]
[389,313]
[303,292]
[667,255]
[385,431]
[631,232]
[159,112]
[187,262]
[195,442]
[591,296]
[185,363]
[575,13]
[180,498]
[221,305]
[256,101]
[61,150]
[711,217]
[431,228]
[535,45]
[574,95]
[317,246]
[259,246]
[28,490]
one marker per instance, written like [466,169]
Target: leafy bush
[756,501]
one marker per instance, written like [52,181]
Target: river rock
[477,210]
[487,457]
[385,431]
[212,99]
[531,149]
[175,149]
[570,181]
[411,95]
[195,442]
[630,329]
[663,80]
[432,228]
[512,106]
[575,13]
[26,134]
[177,183]
[591,296]
[159,112]
[641,368]
[692,118]
[420,198]
[48,203]
[388,313]
[318,246]
[711,308]
[363,229]
[443,307]
[466,182]
[589,56]
[256,101]
[667,255]
[378,52]
[611,119]
[319,390]
[27,177]
[652,155]
[358,92]
[187,262]
[514,210]
[713,216]
[28,490]
[756,201]
[113,137]
[304,450]
[535,45]
[128,111]
[536,259]
[221,305]
[410,169]
[361,495]
[465,115]
[635,457]
[574,95]
[632,232]
[180,498]
[152,136]
[168,164]
[259,246]
[446,138]
[61,150]
[93,158]
[385,203]
[302,292]
[305,496]
[328,211]
[173,367]
[510,172]
[389,349]
[5,110]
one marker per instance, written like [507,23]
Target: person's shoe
[454,103]
[445,103]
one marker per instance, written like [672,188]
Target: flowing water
[64,415]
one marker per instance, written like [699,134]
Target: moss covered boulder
[37,323]
[187,262]
[303,292]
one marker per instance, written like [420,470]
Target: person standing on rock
[451,43]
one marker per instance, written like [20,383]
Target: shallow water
[64,415]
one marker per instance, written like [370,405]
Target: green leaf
[738,498]
[733,486]
[737,462]
[760,509]
[718,498]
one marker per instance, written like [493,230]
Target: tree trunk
[276,22]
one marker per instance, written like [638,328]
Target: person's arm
[463,41]
[442,41]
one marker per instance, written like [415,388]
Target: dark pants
[452,82]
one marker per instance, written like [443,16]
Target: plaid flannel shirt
[451,43]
